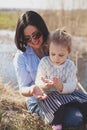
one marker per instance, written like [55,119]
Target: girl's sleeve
[23,76]
[70,85]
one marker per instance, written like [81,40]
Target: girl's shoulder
[45,59]
[70,64]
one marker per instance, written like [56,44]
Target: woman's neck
[39,52]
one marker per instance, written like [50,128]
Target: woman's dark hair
[29,18]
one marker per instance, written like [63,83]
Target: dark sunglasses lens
[27,39]
[37,35]
[34,36]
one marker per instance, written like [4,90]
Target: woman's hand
[39,93]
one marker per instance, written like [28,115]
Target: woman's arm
[23,76]
[26,85]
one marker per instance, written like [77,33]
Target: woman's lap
[34,108]
[72,117]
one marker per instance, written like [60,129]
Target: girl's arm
[41,77]
[71,81]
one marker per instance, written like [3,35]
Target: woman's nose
[34,40]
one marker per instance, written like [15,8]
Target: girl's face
[58,53]
[33,37]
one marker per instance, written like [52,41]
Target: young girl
[56,77]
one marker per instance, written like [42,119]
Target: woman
[30,38]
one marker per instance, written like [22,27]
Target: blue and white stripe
[50,105]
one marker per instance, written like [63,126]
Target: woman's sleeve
[70,85]
[23,76]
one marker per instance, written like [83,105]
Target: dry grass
[14,114]
[74,21]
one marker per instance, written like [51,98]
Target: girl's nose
[57,57]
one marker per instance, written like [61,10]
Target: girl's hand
[39,93]
[58,84]
[47,83]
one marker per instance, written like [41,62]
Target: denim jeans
[34,108]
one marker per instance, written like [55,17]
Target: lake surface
[8,50]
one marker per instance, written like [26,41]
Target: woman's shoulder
[18,58]
[20,54]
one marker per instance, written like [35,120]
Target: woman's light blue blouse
[25,64]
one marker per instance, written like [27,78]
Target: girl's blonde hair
[61,37]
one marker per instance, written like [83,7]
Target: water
[8,50]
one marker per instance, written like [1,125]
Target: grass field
[74,21]
[8,19]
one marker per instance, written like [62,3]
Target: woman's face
[33,37]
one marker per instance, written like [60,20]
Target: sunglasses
[35,36]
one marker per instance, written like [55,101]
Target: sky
[43,4]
